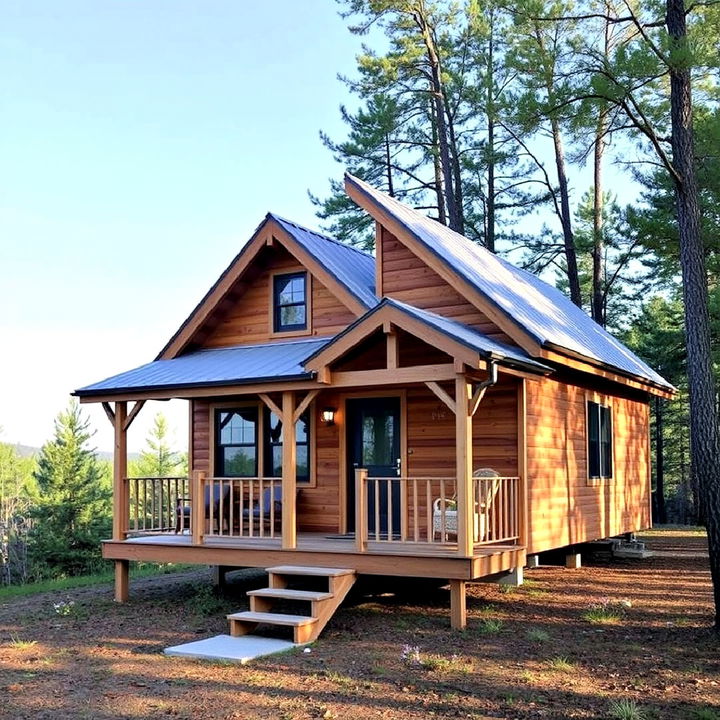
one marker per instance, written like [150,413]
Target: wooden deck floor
[401,559]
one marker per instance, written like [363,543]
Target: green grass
[705,713]
[537,635]
[625,710]
[490,626]
[19,644]
[79,581]
[561,663]
[602,616]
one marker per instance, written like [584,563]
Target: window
[290,302]
[274,443]
[236,442]
[600,440]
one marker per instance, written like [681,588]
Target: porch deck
[380,558]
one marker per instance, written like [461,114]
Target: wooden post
[361,509]
[122,580]
[289,473]
[523,491]
[458,605]
[463,466]
[197,507]
[121,490]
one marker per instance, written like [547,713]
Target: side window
[290,302]
[236,442]
[599,440]
[274,441]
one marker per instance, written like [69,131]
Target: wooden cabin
[452,415]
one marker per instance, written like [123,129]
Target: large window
[249,443]
[274,446]
[290,302]
[600,440]
[236,442]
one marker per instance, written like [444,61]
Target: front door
[373,442]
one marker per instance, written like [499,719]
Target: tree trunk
[388,166]
[568,237]
[704,424]
[659,463]
[442,217]
[490,212]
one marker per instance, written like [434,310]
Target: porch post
[463,465]
[289,472]
[120,499]
[458,605]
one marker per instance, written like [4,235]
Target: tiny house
[429,411]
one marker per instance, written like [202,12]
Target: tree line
[56,507]
[481,113]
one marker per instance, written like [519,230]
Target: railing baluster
[261,505]
[443,512]
[416,514]
[377,509]
[389,491]
[430,521]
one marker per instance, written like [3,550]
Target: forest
[56,506]
[489,117]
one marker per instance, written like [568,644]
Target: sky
[141,143]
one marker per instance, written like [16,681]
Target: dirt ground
[529,653]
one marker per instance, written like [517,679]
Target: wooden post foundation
[122,580]
[458,605]
[573,561]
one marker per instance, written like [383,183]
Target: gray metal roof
[351,267]
[467,336]
[542,310]
[236,365]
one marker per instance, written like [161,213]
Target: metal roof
[236,365]
[351,267]
[467,336]
[540,309]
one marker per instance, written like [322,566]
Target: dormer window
[290,302]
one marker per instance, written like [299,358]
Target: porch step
[310,571]
[323,603]
[287,594]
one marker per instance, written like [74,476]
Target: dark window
[290,302]
[274,442]
[236,442]
[600,440]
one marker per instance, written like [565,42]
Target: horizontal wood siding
[244,317]
[565,508]
[406,277]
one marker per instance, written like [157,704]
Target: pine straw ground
[530,653]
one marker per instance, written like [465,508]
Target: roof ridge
[321,235]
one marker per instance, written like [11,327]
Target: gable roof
[396,312]
[236,365]
[350,271]
[541,311]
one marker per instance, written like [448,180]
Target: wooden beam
[361,509]
[134,413]
[463,466]
[416,374]
[122,581]
[109,412]
[458,605]
[378,260]
[477,397]
[273,407]
[303,406]
[197,507]
[393,359]
[445,397]
[289,473]
[120,486]
[523,464]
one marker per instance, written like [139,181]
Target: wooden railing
[242,507]
[424,510]
[153,503]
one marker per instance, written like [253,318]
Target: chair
[183,509]
[487,489]
[267,509]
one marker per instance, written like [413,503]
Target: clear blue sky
[140,144]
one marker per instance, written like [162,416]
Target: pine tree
[157,459]
[71,510]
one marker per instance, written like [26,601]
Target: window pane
[378,435]
[292,315]
[239,462]
[276,461]
[593,439]
[301,429]
[606,441]
[274,428]
[303,469]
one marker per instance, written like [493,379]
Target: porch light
[328,415]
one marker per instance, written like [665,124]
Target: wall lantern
[328,416]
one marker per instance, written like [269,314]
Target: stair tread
[312,571]
[272,618]
[287,594]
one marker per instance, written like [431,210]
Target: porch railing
[153,503]
[424,510]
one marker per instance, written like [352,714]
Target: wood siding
[564,507]
[406,277]
[245,318]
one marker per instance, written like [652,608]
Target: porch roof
[239,364]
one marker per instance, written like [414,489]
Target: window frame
[596,403]
[268,444]
[275,326]
[218,458]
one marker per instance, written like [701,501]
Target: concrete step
[310,571]
[287,594]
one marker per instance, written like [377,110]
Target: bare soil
[529,653]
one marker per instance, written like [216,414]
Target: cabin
[429,411]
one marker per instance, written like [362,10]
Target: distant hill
[30,451]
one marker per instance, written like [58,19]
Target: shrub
[626,710]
